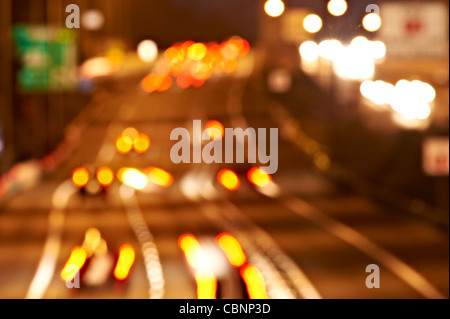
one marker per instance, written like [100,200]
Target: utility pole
[6,85]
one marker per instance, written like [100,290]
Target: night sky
[169,21]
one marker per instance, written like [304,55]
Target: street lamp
[371,22]
[274,8]
[337,7]
[312,23]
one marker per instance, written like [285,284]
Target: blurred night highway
[87,179]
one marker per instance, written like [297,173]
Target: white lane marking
[149,250]
[409,275]
[47,263]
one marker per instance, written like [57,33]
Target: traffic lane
[335,268]
[40,196]
[157,114]
[122,160]
[24,220]
[168,222]
[127,159]
[84,213]
[421,245]
[23,234]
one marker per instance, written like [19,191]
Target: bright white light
[379,92]
[337,7]
[147,50]
[378,49]
[328,49]
[366,88]
[274,8]
[409,100]
[309,50]
[360,45]
[134,178]
[424,91]
[359,41]
[423,111]
[351,64]
[92,19]
[402,84]
[371,22]
[312,23]
[411,109]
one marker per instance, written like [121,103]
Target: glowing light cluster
[410,99]
[190,64]
[133,178]
[355,61]
[130,139]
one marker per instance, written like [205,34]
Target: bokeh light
[312,23]
[309,51]
[274,8]
[105,176]
[147,50]
[371,22]
[228,179]
[337,7]
[141,143]
[80,177]
[125,261]
[214,127]
[259,177]
[124,144]
[159,176]
[232,249]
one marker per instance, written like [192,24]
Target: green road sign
[48,57]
